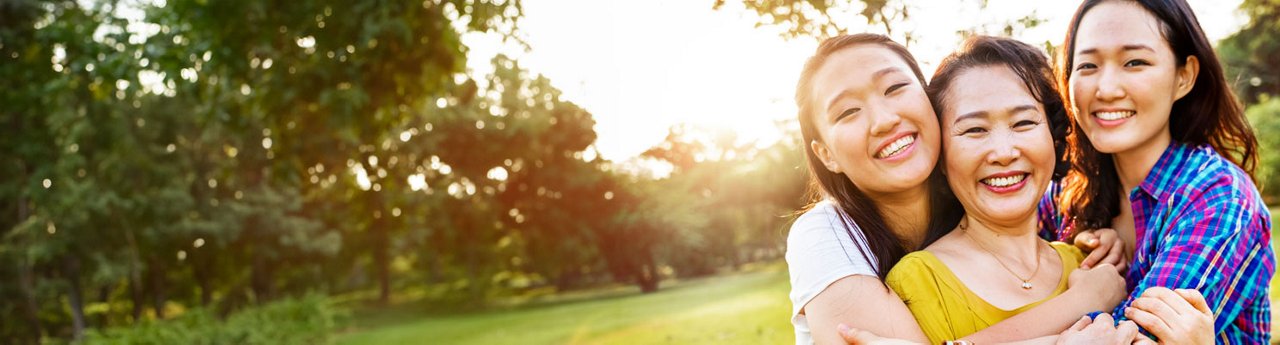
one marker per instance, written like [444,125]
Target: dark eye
[1136,63]
[1025,124]
[893,88]
[973,130]
[1085,65]
[846,113]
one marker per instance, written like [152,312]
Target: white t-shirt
[820,252]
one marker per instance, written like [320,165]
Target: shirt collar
[1161,178]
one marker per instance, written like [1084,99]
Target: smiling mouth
[896,147]
[1004,181]
[1114,115]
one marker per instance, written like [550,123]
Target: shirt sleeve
[1049,217]
[820,251]
[1220,247]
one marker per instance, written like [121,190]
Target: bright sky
[641,67]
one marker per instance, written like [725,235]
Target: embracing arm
[1220,249]
[1099,288]
[861,302]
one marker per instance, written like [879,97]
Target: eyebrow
[982,114]
[874,77]
[1126,47]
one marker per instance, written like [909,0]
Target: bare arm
[861,302]
[1097,289]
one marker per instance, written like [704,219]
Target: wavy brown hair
[1208,114]
[853,205]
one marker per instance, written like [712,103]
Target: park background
[442,171]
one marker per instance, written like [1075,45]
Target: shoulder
[914,266]
[823,225]
[1071,255]
[1207,174]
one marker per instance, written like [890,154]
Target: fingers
[1171,300]
[1087,241]
[856,336]
[1143,340]
[1105,319]
[1196,300]
[1093,259]
[1149,322]
[1081,324]
[1127,330]
[1115,254]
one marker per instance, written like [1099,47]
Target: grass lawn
[740,308]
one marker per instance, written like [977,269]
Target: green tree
[1252,55]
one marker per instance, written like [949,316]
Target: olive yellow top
[945,308]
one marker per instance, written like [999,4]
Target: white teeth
[1004,181]
[1113,115]
[896,146]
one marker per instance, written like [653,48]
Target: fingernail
[843,328]
[1093,241]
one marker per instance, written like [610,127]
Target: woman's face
[998,150]
[1124,79]
[874,120]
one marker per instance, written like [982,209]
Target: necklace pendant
[1026,285]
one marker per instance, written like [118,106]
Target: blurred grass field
[749,307]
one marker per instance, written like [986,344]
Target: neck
[907,213]
[1016,239]
[1134,165]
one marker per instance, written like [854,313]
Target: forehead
[992,89]
[1114,24]
[853,68]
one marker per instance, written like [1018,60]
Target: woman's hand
[1100,331]
[1104,246]
[857,336]
[1103,284]
[1175,317]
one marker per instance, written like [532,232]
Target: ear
[1187,77]
[824,155]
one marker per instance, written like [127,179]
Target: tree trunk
[199,271]
[261,279]
[71,266]
[381,259]
[155,278]
[104,296]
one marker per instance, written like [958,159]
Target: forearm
[1047,319]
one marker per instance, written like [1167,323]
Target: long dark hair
[1028,63]
[1209,114]
[853,205]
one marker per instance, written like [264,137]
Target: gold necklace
[1026,282]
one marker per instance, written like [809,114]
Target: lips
[1114,116]
[896,147]
[1006,182]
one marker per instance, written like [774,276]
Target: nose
[1004,152]
[883,122]
[1109,86]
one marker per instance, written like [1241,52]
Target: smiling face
[874,120]
[998,150]
[1124,79]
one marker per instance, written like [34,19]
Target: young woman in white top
[872,145]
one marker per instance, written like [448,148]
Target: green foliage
[1265,118]
[1252,55]
[307,320]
